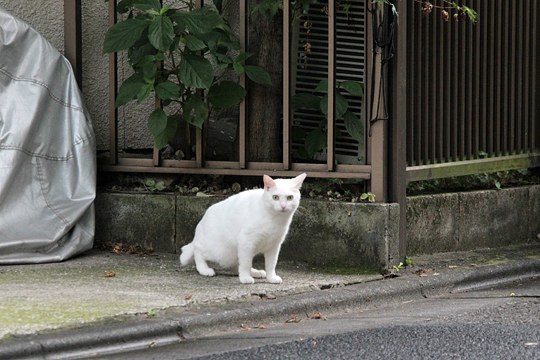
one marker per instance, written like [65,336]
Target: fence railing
[328,167]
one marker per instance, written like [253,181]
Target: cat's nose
[283,205]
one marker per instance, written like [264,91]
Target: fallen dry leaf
[452,266]
[244,327]
[317,316]
[261,327]
[109,274]
[293,319]
[188,296]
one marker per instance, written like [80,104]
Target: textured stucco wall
[47,17]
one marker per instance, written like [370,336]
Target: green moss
[346,270]
[494,261]
[21,314]
[533,257]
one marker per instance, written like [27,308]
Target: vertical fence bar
[377,97]
[469,104]
[73,37]
[519,58]
[534,128]
[506,68]
[484,60]
[464,83]
[331,86]
[113,86]
[398,131]
[447,93]
[455,95]
[500,73]
[439,89]
[199,139]
[514,59]
[426,96]
[286,84]
[242,81]
[527,71]
[410,87]
[492,80]
[156,155]
[476,92]
[417,51]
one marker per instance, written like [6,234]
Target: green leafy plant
[179,52]
[153,185]
[402,265]
[315,140]
[368,196]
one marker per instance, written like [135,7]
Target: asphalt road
[502,323]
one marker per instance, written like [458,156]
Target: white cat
[236,229]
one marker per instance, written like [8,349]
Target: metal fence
[472,90]
[329,167]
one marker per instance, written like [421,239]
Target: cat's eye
[275,197]
[290,197]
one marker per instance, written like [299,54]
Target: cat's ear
[299,180]
[268,182]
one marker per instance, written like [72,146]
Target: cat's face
[283,195]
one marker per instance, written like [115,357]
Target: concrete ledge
[472,220]
[327,233]
[322,233]
[136,219]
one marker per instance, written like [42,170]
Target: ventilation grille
[310,69]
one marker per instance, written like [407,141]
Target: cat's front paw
[246,279]
[260,274]
[274,279]
[207,272]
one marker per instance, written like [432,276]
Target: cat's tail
[186,257]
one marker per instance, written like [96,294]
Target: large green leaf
[167,90]
[322,86]
[123,35]
[354,88]
[305,100]
[354,126]
[196,71]
[194,43]
[226,94]
[258,74]
[198,21]
[129,89]
[161,33]
[162,127]
[341,105]
[195,110]
[315,142]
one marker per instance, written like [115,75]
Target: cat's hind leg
[259,274]
[202,266]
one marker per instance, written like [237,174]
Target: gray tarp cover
[47,152]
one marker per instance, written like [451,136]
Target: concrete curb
[131,334]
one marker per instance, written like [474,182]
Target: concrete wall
[471,220]
[322,233]
[339,234]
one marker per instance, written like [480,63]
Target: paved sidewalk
[103,301]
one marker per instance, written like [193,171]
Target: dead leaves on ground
[121,248]
[315,316]
[109,274]
[293,319]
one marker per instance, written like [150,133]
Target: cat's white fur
[236,229]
